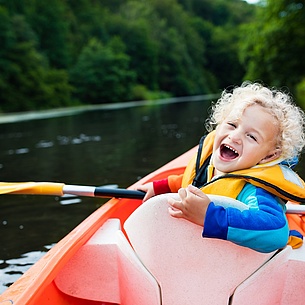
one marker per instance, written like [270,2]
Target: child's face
[248,140]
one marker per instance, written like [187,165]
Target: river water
[89,147]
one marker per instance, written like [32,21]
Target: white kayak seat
[280,281]
[106,269]
[189,269]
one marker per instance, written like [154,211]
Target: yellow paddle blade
[32,188]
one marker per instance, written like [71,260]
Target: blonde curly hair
[290,118]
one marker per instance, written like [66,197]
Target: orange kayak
[127,252]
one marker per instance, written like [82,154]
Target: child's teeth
[231,148]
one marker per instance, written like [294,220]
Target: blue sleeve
[263,227]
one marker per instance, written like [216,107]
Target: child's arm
[263,227]
[148,188]
[169,185]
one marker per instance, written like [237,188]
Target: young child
[258,135]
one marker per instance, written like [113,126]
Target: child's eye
[252,137]
[232,124]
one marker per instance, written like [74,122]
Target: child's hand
[148,188]
[192,206]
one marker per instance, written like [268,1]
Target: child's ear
[273,155]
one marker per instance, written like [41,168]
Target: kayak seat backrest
[189,269]
[106,269]
[281,281]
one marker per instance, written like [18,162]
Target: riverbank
[60,112]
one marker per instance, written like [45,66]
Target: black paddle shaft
[118,193]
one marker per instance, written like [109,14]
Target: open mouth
[228,152]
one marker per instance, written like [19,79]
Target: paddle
[60,189]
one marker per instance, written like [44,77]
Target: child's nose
[235,136]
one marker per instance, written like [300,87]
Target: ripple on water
[19,151]
[12,269]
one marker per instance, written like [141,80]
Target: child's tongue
[227,153]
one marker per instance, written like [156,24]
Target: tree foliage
[57,53]
[102,73]
[26,80]
[274,47]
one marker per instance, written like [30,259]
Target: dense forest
[60,53]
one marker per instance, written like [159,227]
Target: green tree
[217,22]
[222,56]
[25,79]
[133,25]
[164,47]
[49,22]
[86,20]
[274,48]
[102,73]
[182,54]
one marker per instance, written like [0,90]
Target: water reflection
[12,269]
